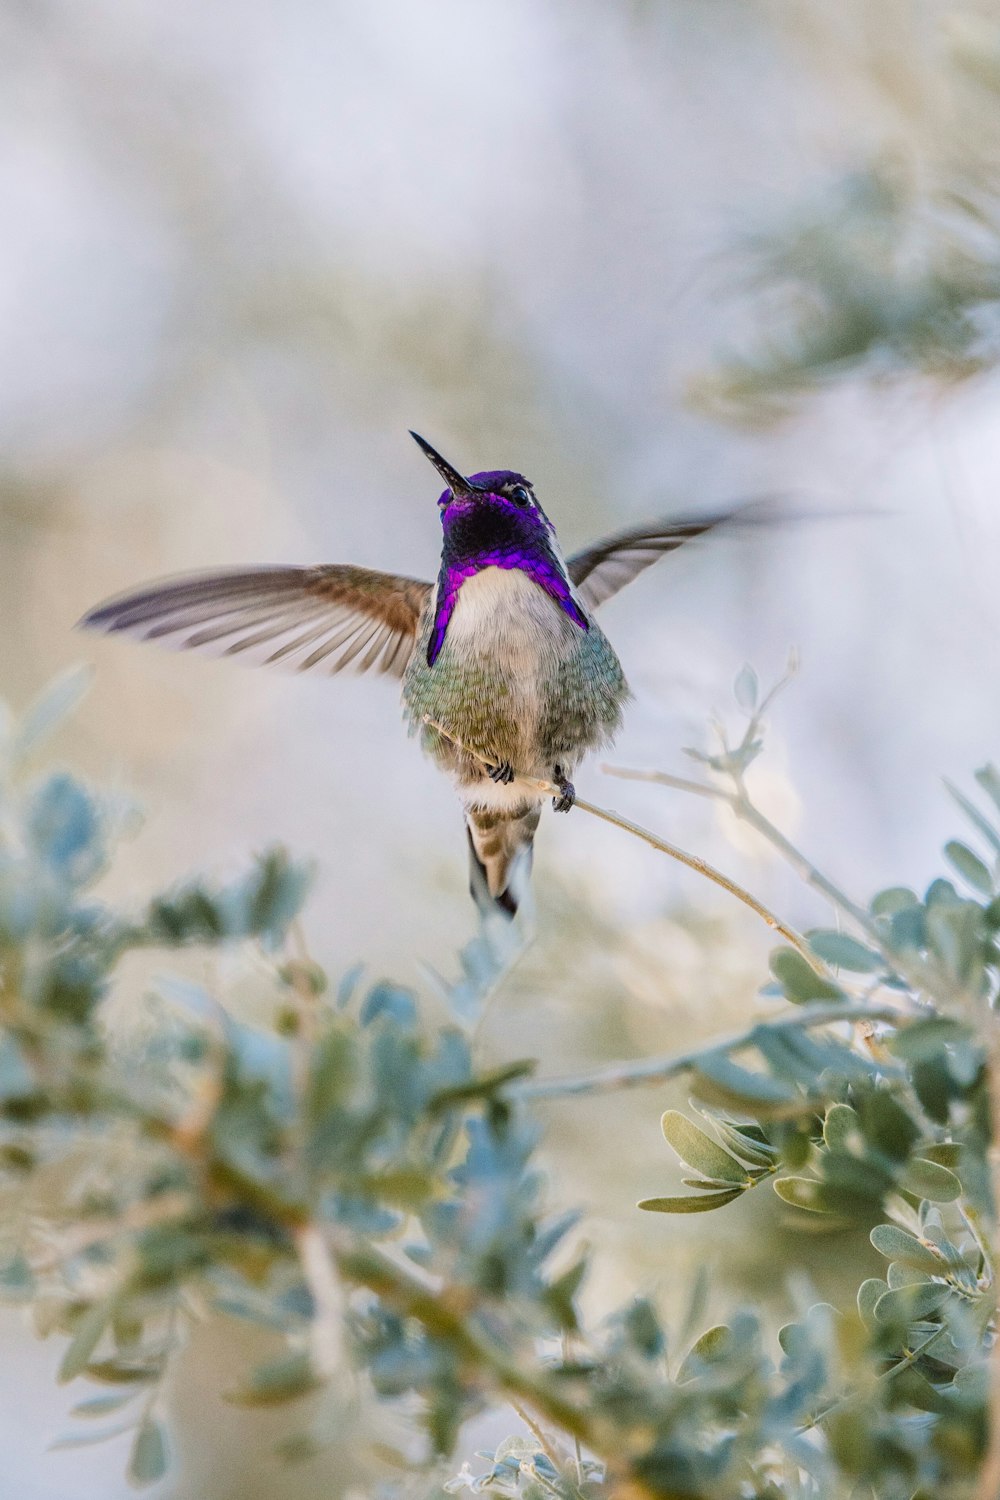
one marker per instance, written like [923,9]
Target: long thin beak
[452,478]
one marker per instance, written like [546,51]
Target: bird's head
[487,509]
[493,520]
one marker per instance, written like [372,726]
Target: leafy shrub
[350,1178]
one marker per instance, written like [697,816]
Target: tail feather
[500,849]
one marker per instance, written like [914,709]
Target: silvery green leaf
[927,1179]
[746,689]
[897,898]
[689,1205]
[908,1303]
[699,1151]
[971,868]
[88,1437]
[801,1192]
[799,979]
[102,1406]
[148,1460]
[976,818]
[87,1333]
[844,952]
[704,1351]
[869,1293]
[898,1244]
[989,779]
[842,1128]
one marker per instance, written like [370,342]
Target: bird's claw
[567,793]
[504,772]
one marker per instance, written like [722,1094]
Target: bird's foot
[567,792]
[504,772]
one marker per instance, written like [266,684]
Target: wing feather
[598,572]
[337,616]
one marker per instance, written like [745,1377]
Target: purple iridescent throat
[487,530]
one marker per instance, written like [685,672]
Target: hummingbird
[507,677]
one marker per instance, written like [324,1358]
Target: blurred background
[660,256]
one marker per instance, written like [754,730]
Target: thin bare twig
[917,972]
[744,809]
[693,861]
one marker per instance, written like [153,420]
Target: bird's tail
[500,846]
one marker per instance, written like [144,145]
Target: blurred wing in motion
[325,617]
[598,572]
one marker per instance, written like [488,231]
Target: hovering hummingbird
[505,672]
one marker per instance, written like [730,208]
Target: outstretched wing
[600,571]
[325,617]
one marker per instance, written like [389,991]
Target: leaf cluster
[345,1175]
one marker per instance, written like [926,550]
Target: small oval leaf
[908,1303]
[799,979]
[746,688]
[704,1351]
[900,1245]
[689,1205]
[869,1293]
[842,1128]
[699,1151]
[801,1192]
[844,952]
[969,866]
[928,1179]
[148,1460]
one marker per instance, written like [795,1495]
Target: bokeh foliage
[346,1175]
[887,267]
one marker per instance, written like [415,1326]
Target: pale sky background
[247,246]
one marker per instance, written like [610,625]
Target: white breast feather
[501,613]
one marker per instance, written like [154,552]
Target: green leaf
[799,980]
[907,1304]
[842,1128]
[844,952]
[900,1275]
[869,1293]
[17,1282]
[927,1179]
[102,1406]
[688,1204]
[989,779]
[971,868]
[898,1244]
[926,1039]
[746,689]
[981,823]
[705,1350]
[87,1333]
[699,1151]
[760,1152]
[887,1126]
[801,1192]
[125,1372]
[897,898]
[148,1460]
[280,1380]
[87,1437]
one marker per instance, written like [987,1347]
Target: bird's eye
[519,494]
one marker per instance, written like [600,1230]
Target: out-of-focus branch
[659,1069]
